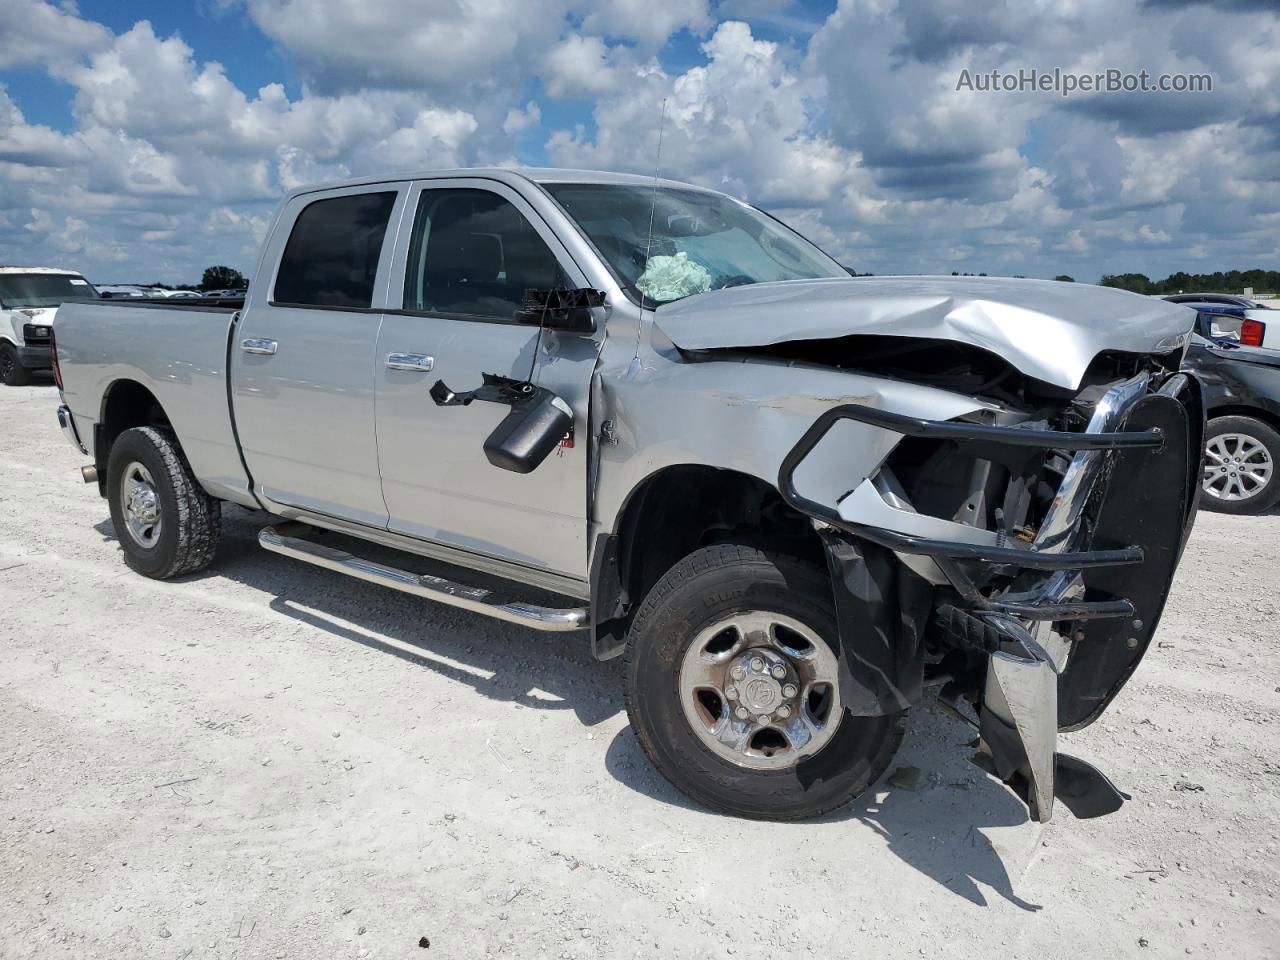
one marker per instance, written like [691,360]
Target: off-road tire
[702,588]
[1267,436]
[192,520]
[12,372]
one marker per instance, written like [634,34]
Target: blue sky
[145,140]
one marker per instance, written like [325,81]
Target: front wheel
[733,688]
[12,372]
[1241,458]
[166,524]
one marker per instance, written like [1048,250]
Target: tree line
[1232,281]
[1229,281]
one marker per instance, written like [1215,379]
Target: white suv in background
[29,298]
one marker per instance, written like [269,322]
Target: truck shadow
[936,829]
[504,662]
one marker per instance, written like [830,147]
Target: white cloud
[739,123]
[580,66]
[518,120]
[434,140]
[459,45]
[161,137]
[132,166]
[1074,242]
[35,145]
[38,34]
[648,22]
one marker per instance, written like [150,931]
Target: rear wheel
[733,688]
[1242,455]
[166,524]
[13,373]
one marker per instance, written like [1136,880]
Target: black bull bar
[1139,463]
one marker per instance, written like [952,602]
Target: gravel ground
[269,760]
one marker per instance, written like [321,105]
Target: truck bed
[177,350]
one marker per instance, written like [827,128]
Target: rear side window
[473,254]
[331,259]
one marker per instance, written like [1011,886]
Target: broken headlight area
[1045,548]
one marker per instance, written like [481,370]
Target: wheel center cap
[142,504]
[762,684]
[761,694]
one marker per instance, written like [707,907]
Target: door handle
[254,345]
[410,361]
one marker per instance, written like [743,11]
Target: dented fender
[745,416]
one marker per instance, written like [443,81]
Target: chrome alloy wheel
[1237,467]
[140,505]
[760,690]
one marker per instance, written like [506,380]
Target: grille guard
[1061,528]
[1128,551]
[1048,553]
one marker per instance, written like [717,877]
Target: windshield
[42,289]
[701,241]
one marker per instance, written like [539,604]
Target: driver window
[473,254]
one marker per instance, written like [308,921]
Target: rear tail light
[53,354]
[1252,332]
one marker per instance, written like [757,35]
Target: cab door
[303,358]
[470,249]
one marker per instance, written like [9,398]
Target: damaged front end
[1019,563]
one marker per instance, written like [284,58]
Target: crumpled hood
[1047,330]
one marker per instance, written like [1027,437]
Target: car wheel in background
[165,522]
[1242,457]
[733,688]
[13,373]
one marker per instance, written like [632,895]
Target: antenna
[653,201]
[653,205]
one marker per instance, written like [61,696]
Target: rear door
[469,250]
[303,357]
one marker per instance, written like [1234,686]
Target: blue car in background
[1246,320]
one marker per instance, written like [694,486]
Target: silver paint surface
[1046,329]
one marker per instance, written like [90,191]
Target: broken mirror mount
[539,420]
[561,309]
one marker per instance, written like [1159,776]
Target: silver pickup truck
[794,499]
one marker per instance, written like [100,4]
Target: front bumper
[1093,586]
[35,356]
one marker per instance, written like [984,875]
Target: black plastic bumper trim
[36,356]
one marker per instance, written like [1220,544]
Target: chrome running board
[280,539]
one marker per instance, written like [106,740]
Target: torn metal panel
[1047,330]
[1019,723]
